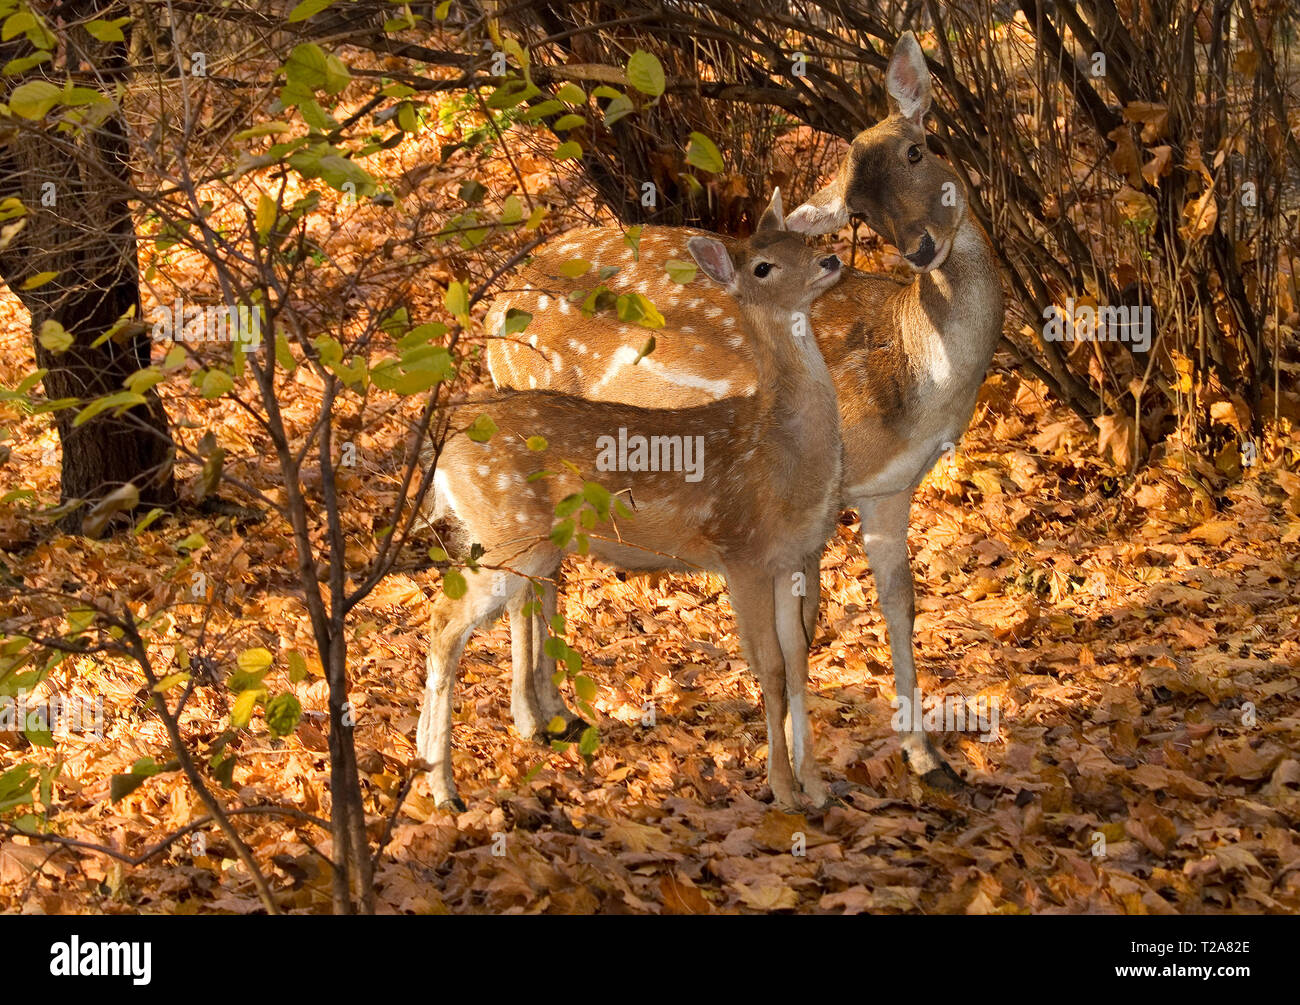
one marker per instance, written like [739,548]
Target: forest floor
[1140,640]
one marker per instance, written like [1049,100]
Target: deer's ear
[711,256]
[908,79]
[824,213]
[774,216]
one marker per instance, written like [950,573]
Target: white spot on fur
[625,355]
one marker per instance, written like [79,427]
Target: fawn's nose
[924,253]
[831,263]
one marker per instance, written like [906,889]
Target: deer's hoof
[453,805]
[571,733]
[945,779]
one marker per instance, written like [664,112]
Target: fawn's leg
[752,593]
[812,575]
[791,629]
[451,624]
[884,535]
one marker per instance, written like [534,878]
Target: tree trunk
[75,187]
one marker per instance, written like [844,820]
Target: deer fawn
[764,499]
[907,360]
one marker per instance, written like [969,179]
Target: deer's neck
[952,316]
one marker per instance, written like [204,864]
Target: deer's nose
[831,262]
[924,253]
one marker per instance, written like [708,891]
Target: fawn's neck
[791,376]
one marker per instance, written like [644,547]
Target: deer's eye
[762,269]
[914,154]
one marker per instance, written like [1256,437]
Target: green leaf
[556,725]
[542,109]
[54,337]
[242,711]
[121,399]
[170,681]
[571,94]
[22,64]
[16,24]
[584,687]
[254,660]
[514,322]
[308,8]
[568,505]
[598,496]
[457,300]
[282,714]
[149,518]
[536,443]
[34,99]
[679,271]
[646,350]
[312,67]
[454,585]
[645,73]
[636,307]
[264,219]
[575,267]
[482,428]
[17,784]
[191,542]
[618,108]
[512,210]
[568,150]
[38,280]
[297,666]
[122,785]
[107,31]
[704,154]
[215,383]
[589,741]
[569,121]
[562,533]
[632,238]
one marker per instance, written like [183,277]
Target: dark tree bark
[79,225]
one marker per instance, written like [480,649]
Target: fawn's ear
[710,254]
[773,217]
[908,79]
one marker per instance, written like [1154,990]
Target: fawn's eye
[762,269]
[914,154]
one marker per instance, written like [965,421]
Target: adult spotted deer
[907,359]
[763,499]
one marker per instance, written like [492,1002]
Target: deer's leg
[525,705]
[812,575]
[451,624]
[549,698]
[884,535]
[792,633]
[752,598]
